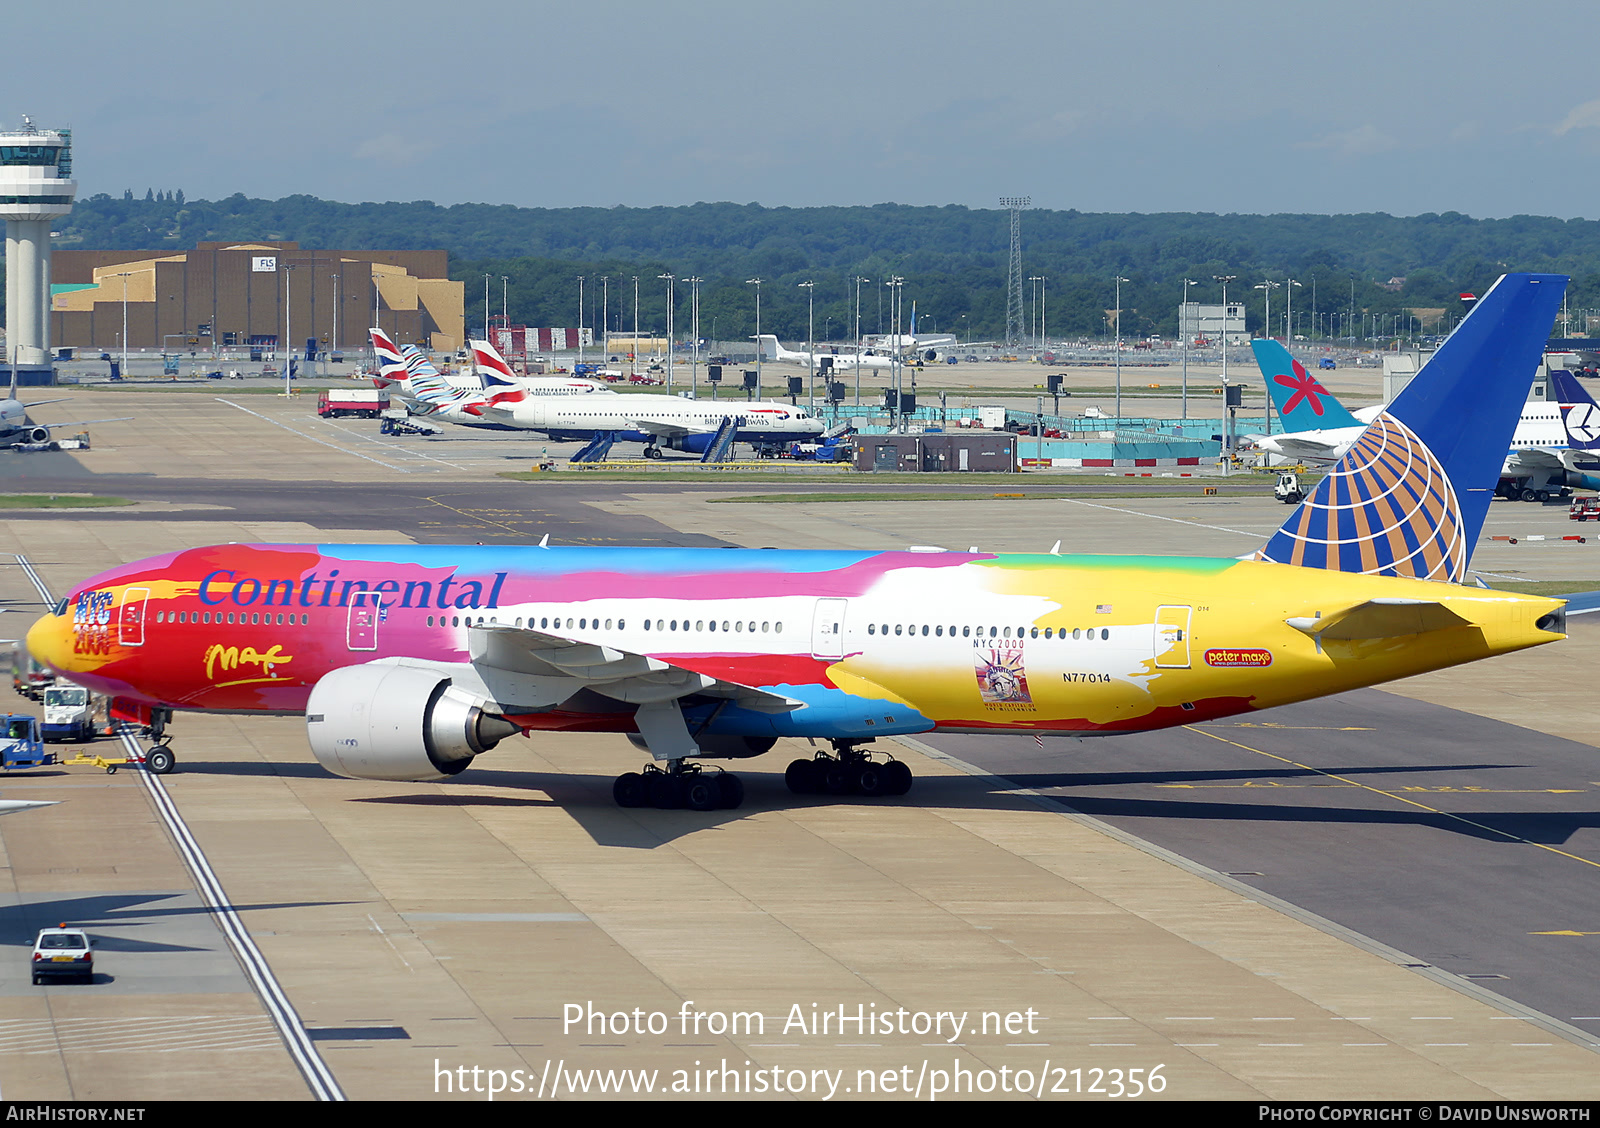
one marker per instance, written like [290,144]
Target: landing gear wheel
[803,777]
[701,793]
[1529,495]
[160,760]
[874,780]
[838,778]
[732,791]
[900,777]
[652,452]
[665,790]
[629,790]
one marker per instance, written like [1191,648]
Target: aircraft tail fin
[487,359]
[500,382]
[391,363]
[768,346]
[1410,497]
[1580,416]
[1302,402]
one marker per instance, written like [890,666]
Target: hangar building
[233,294]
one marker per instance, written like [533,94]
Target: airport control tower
[36,189]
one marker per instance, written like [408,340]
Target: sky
[1154,106]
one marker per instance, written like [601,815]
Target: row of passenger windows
[704,625]
[205,617]
[993,632]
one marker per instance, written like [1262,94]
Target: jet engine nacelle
[379,721]
[721,746]
[37,435]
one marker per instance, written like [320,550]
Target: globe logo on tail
[1386,509]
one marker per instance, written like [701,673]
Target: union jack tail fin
[500,383]
[1302,402]
[391,363]
[1410,497]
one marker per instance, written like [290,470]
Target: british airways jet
[411,661]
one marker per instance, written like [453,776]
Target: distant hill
[953,259]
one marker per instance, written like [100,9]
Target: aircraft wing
[524,668]
[41,403]
[1534,458]
[1296,446]
[669,430]
[84,422]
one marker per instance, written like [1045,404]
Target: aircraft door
[130,620]
[827,629]
[1172,637]
[362,633]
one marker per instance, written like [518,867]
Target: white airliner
[772,349]
[913,339]
[655,420]
[16,427]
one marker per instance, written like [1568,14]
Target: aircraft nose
[49,640]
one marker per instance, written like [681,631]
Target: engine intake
[380,721]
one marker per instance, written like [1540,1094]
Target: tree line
[953,260]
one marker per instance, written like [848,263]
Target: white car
[63,951]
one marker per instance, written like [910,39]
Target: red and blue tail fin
[1579,414]
[1303,403]
[391,362]
[500,383]
[1410,497]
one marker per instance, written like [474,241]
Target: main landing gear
[160,758]
[679,785]
[851,772]
[652,451]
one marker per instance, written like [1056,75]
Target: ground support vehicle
[360,403]
[59,953]
[21,746]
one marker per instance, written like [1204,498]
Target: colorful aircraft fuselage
[861,643]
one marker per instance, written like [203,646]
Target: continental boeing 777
[411,661]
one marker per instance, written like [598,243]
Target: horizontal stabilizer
[1381,618]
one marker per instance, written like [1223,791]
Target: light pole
[576,371]
[858,281]
[811,348]
[334,347]
[1035,291]
[694,322]
[634,352]
[896,363]
[1227,436]
[1120,281]
[124,276]
[1266,287]
[1288,317]
[605,314]
[669,279]
[1044,331]
[288,335]
[760,347]
[486,278]
[1183,333]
